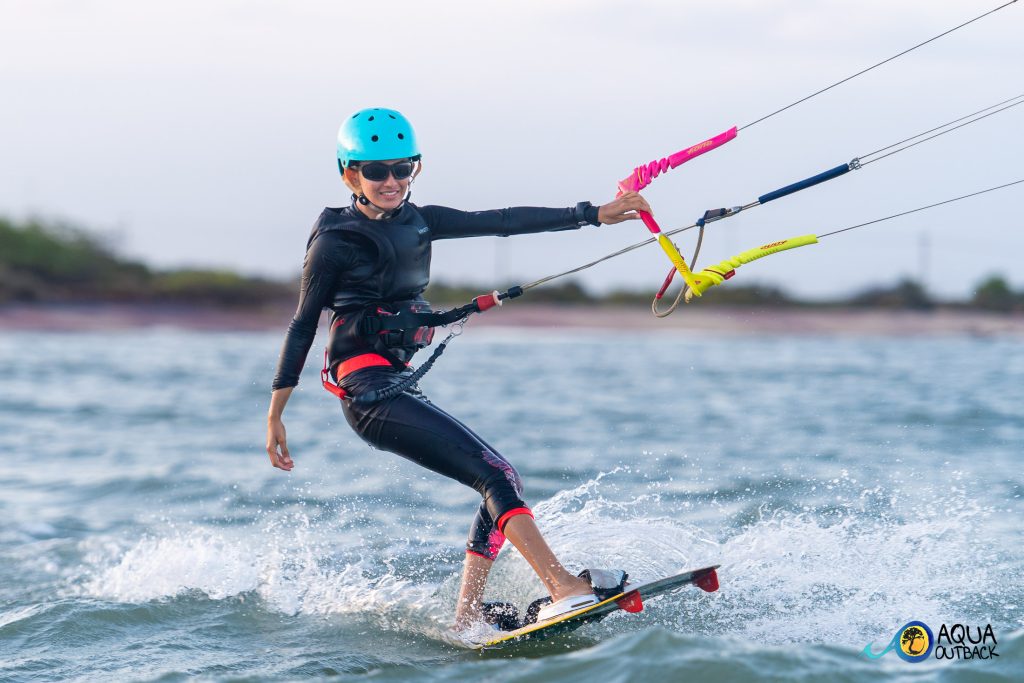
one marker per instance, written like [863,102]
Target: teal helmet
[376,134]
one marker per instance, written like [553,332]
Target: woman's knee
[504,473]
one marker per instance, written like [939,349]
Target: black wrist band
[585,213]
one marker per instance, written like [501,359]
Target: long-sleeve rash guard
[342,269]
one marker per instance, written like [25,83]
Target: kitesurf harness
[418,326]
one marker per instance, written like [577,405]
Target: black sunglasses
[378,172]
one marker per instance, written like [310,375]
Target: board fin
[631,602]
[708,582]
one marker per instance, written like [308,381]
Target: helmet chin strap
[383,213]
[361,198]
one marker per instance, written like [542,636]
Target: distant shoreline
[724,320]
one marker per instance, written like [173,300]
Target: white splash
[842,574]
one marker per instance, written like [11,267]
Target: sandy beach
[837,321]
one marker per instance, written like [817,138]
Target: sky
[202,132]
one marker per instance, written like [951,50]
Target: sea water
[847,486]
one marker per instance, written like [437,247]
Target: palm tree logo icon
[914,641]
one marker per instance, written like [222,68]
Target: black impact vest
[399,251]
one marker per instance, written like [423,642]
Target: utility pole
[923,258]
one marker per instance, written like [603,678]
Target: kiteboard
[630,599]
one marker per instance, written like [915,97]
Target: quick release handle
[486,301]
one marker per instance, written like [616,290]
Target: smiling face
[387,194]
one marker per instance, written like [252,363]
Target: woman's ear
[351,178]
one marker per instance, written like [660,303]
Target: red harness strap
[366,360]
[325,377]
[325,373]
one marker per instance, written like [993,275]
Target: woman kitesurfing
[369,263]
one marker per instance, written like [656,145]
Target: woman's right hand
[277,445]
[625,207]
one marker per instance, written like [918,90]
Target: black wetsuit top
[345,271]
[354,264]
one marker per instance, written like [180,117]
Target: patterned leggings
[414,428]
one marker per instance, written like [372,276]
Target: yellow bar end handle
[708,278]
[677,260]
[719,273]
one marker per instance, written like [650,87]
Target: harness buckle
[422,336]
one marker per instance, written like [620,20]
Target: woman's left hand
[623,208]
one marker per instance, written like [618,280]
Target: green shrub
[994,294]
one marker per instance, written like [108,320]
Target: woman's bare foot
[570,586]
[522,531]
[466,618]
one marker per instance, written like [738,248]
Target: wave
[829,574]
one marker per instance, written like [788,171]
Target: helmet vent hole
[375,138]
[392,116]
[401,137]
[370,119]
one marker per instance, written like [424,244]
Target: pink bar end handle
[649,221]
[642,176]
